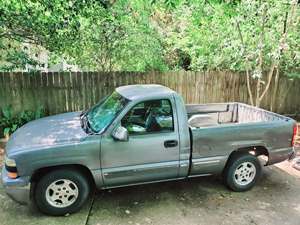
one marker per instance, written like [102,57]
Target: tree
[279,43]
[119,38]
[160,35]
[51,24]
[249,35]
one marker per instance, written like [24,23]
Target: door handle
[170,143]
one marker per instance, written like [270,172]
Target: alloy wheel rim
[62,193]
[245,173]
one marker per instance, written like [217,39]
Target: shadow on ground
[12,213]
[275,200]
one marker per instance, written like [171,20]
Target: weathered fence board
[61,92]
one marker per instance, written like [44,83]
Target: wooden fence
[61,92]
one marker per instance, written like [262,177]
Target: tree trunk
[273,101]
[275,63]
[249,87]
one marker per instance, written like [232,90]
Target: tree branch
[281,46]
[248,87]
[273,106]
[246,62]
[270,75]
[260,57]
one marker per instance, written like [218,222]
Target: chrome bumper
[18,189]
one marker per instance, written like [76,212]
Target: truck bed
[205,115]
[219,129]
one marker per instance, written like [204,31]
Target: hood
[46,132]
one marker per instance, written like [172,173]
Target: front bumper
[18,189]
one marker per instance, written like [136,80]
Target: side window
[149,117]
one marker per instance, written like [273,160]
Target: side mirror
[120,134]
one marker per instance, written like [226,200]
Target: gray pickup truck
[140,134]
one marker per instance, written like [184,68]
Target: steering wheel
[164,112]
[151,122]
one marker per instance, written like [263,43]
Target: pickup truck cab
[140,134]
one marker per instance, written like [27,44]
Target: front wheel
[61,191]
[242,172]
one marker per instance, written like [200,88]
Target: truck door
[152,151]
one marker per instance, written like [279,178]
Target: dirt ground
[274,200]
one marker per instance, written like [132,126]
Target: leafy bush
[10,121]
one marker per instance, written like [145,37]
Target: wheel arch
[39,173]
[234,160]
[253,150]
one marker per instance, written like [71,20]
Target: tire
[61,191]
[242,172]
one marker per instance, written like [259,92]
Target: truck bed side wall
[210,114]
[220,113]
[213,145]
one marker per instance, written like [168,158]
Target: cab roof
[133,92]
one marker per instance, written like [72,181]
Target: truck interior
[149,116]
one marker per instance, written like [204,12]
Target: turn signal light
[12,175]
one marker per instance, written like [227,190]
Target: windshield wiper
[85,123]
[83,113]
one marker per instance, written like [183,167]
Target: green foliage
[51,24]
[207,32]
[10,121]
[16,58]
[118,38]
[142,35]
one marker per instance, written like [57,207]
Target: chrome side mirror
[120,134]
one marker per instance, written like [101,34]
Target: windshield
[101,115]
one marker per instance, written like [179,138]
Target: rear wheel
[61,191]
[242,172]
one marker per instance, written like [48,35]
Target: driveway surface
[274,200]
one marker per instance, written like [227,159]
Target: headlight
[10,162]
